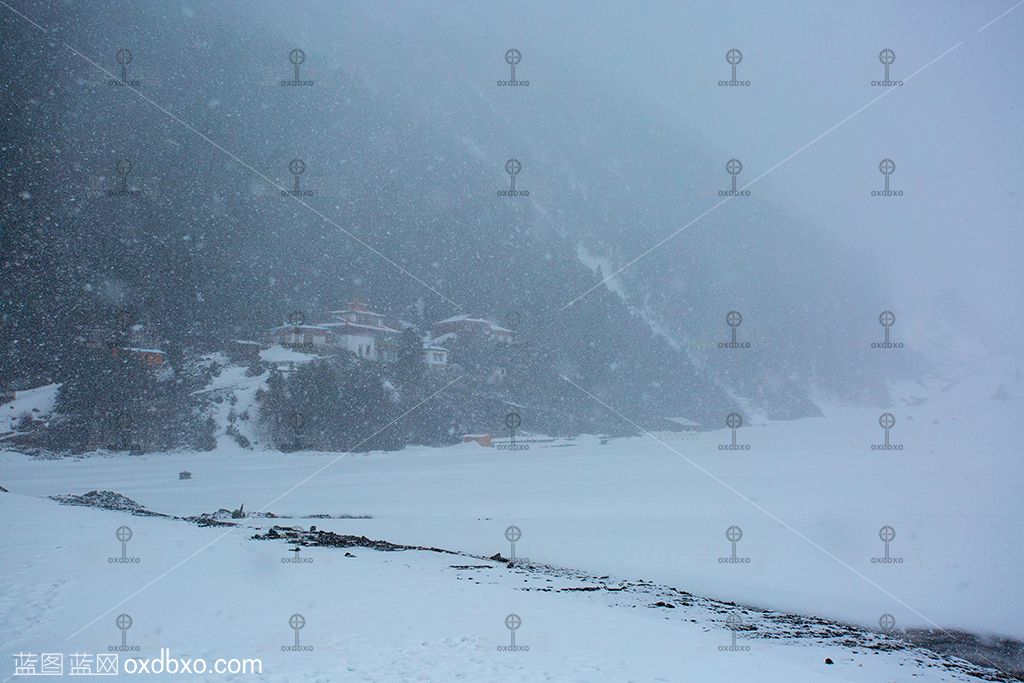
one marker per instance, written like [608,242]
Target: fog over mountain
[404,135]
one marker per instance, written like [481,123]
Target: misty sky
[953,129]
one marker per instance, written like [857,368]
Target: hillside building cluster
[366,333]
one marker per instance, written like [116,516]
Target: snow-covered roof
[135,349]
[300,327]
[470,319]
[376,328]
[357,311]
[281,354]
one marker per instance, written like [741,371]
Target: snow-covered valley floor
[607,533]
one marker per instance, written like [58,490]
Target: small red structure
[482,439]
[150,357]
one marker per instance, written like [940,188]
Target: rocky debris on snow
[1005,653]
[106,500]
[3,490]
[329,539]
[216,519]
[463,567]
[325,516]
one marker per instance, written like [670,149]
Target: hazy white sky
[953,129]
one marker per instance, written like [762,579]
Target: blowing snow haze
[677,268]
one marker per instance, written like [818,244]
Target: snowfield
[607,532]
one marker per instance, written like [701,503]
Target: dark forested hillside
[160,207]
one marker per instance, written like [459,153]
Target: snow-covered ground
[810,497]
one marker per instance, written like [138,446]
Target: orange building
[150,357]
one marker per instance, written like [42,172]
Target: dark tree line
[119,403]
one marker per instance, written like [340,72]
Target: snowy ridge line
[963,654]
